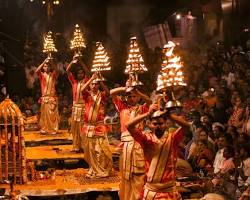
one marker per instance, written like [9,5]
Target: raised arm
[116,91]
[93,77]
[132,123]
[38,69]
[145,140]
[146,98]
[179,120]
[105,88]
[73,61]
[84,67]
[55,66]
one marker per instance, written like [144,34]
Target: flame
[171,73]
[135,62]
[48,44]
[78,41]
[101,59]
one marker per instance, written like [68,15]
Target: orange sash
[93,113]
[48,84]
[128,115]
[160,187]
[159,161]
[78,91]
[133,157]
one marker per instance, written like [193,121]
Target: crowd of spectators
[216,102]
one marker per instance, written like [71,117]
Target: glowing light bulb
[178,16]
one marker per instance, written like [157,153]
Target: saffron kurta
[96,146]
[77,111]
[161,155]
[132,165]
[49,116]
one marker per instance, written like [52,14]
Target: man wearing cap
[132,166]
[96,146]
[160,150]
[78,103]
[49,116]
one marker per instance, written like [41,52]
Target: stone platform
[51,147]
[67,182]
[55,152]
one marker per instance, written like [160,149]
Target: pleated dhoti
[76,125]
[49,116]
[98,155]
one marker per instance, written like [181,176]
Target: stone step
[35,138]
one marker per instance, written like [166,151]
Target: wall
[124,21]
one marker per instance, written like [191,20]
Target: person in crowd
[212,196]
[232,131]
[203,136]
[94,132]
[132,161]
[64,118]
[194,118]
[160,150]
[31,76]
[243,138]
[49,117]
[236,118]
[223,141]
[228,75]
[217,129]
[195,122]
[206,121]
[192,102]
[245,195]
[246,119]
[113,122]
[78,103]
[225,178]
[192,149]
[34,105]
[242,164]
[204,157]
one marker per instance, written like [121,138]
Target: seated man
[160,150]
[224,180]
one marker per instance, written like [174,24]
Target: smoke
[38,27]
[20,3]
